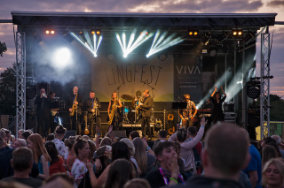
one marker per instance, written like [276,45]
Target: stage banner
[188,77]
[135,73]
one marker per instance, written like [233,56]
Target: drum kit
[129,105]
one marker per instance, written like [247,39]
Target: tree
[8,91]
[277,108]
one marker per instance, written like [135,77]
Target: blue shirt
[254,164]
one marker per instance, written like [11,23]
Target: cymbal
[127,97]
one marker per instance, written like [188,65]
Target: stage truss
[265,83]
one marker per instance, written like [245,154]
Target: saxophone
[74,106]
[94,110]
[113,109]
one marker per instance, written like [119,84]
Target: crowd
[224,157]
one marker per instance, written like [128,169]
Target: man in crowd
[22,162]
[223,157]
[5,156]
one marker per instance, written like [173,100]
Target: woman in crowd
[141,155]
[82,168]
[121,170]
[273,173]
[56,163]
[41,157]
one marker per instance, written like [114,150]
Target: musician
[114,111]
[75,110]
[54,110]
[145,106]
[217,100]
[93,114]
[187,115]
[42,112]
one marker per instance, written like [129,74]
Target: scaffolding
[265,83]
[21,81]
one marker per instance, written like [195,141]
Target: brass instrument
[74,106]
[94,110]
[86,131]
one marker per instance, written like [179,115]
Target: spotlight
[240,33]
[52,32]
[47,32]
[193,33]
[98,32]
[204,51]
[235,33]
[93,32]
[62,57]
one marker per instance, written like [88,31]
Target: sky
[154,6]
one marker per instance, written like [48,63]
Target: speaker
[119,133]
[70,133]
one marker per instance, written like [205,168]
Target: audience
[5,156]
[56,163]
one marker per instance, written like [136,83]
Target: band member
[93,113]
[145,107]
[54,110]
[113,111]
[217,100]
[187,115]
[75,110]
[42,112]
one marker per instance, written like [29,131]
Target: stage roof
[210,21]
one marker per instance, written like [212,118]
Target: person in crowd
[270,141]
[22,162]
[145,160]
[137,183]
[105,141]
[69,142]
[131,149]
[26,134]
[120,171]
[102,158]
[82,168]
[64,176]
[187,143]
[223,156]
[168,172]
[5,156]
[92,149]
[60,146]
[133,134]
[56,163]
[268,152]
[40,155]
[50,137]
[273,173]
[279,143]
[253,169]
[19,143]
[20,133]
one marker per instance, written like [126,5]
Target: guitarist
[75,110]
[187,115]
[114,112]
[145,107]
[93,115]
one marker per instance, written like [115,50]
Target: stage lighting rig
[49,32]
[238,33]
[3,48]
[193,33]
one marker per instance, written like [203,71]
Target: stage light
[133,43]
[240,33]
[92,46]
[235,33]
[62,57]
[161,42]
[204,51]
[52,32]
[195,33]
[47,32]
[93,32]
[98,32]
[190,33]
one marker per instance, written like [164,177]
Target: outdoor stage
[169,54]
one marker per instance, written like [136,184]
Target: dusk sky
[154,6]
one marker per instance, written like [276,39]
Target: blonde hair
[279,164]
[38,147]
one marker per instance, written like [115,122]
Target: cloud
[276,3]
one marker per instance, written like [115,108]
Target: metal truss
[265,83]
[21,81]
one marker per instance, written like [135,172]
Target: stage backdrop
[135,73]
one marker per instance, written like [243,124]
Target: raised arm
[214,92]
